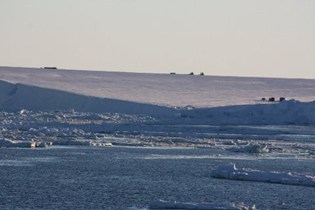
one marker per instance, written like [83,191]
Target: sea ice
[231,172]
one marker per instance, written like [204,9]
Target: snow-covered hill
[236,99]
[163,89]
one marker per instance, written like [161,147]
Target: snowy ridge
[231,172]
[163,89]
[15,97]
[200,100]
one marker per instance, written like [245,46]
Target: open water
[125,177]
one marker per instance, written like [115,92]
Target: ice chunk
[231,172]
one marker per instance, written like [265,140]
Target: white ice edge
[231,172]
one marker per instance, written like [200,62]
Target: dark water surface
[122,177]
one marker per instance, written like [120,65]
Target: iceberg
[231,172]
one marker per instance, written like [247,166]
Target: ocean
[132,177]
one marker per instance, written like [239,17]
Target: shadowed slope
[18,96]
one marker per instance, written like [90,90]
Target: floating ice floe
[231,172]
[22,144]
[16,144]
[161,204]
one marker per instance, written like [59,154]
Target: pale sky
[270,38]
